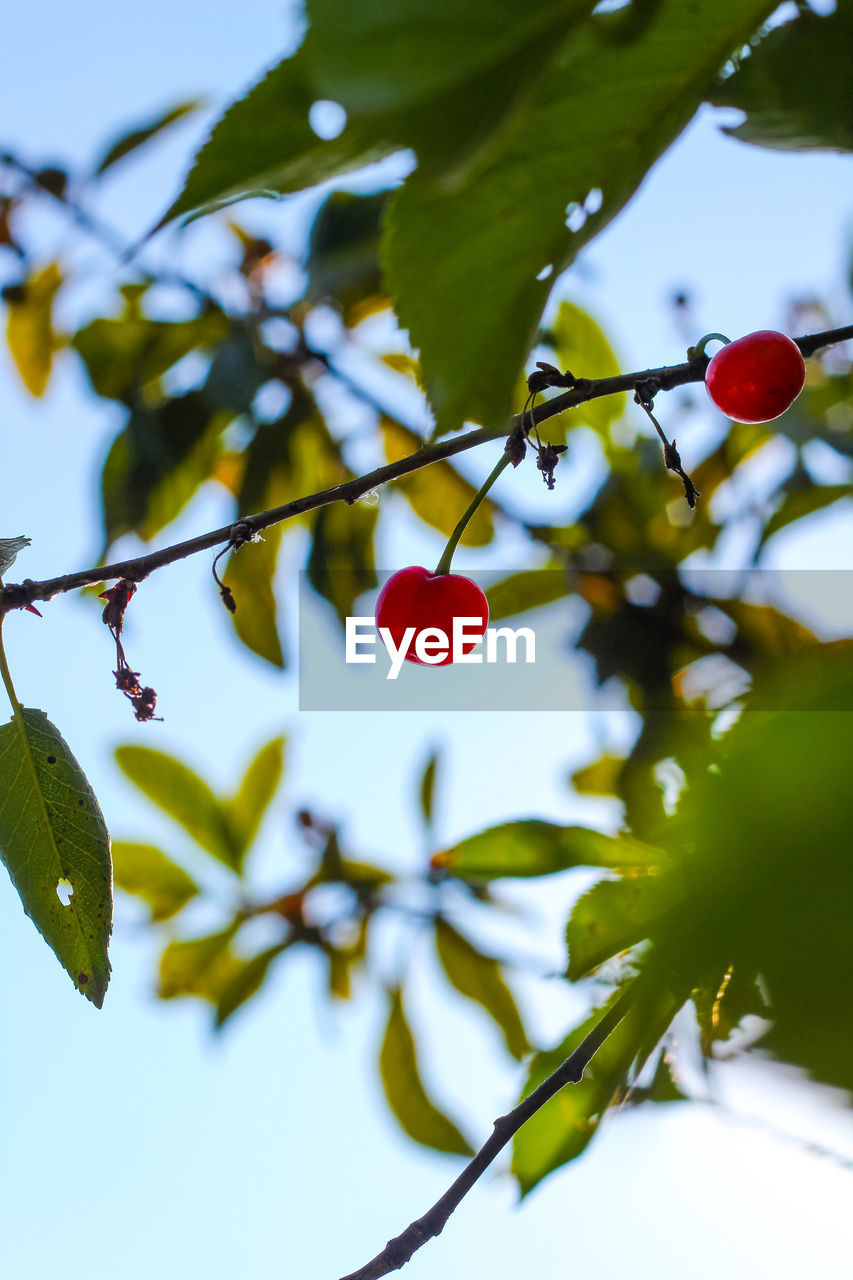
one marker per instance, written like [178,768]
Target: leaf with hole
[52,830]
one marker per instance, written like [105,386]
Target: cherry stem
[443,565]
[696,353]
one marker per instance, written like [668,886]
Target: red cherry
[757,377]
[414,597]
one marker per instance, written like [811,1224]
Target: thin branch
[400,1249]
[18,596]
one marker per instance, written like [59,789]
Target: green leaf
[250,574]
[138,136]
[600,778]
[412,1107]
[581,347]
[438,494]
[529,589]
[145,870]
[29,329]
[427,793]
[265,141]
[52,830]
[184,796]
[600,117]
[156,464]
[478,977]
[803,502]
[776,87]
[203,967]
[615,915]
[722,1006]
[560,1130]
[532,847]
[260,783]
[246,982]
[125,354]
[343,253]
[341,563]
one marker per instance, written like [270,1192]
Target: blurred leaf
[529,589]
[184,796]
[479,978]
[614,109]
[203,967]
[125,354]
[343,252]
[341,563]
[722,1007]
[350,871]
[438,494]
[766,629]
[415,1112]
[615,915]
[250,574]
[245,982]
[664,1087]
[237,372]
[581,347]
[255,793]
[798,503]
[532,847]
[560,1130]
[156,464]
[145,870]
[600,778]
[775,86]
[52,830]
[427,795]
[29,328]
[137,137]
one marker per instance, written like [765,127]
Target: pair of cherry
[754,379]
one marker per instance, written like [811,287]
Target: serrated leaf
[615,915]
[250,574]
[265,142]
[138,136]
[144,870]
[260,783]
[341,564]
[414,1110]
[775,86]
[722,1006]
[202,967]
[560,1130]
[581,346]
[478,977]
[600,117]
[245,982]
[438,494]
[531,847]
[184,796]
[29,329]
[52,830]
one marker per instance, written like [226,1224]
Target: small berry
[414,597]
[756,378]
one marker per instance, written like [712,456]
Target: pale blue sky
[131,1143]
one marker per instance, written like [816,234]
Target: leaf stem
[6,676]
[443,565]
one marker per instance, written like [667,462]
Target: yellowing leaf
[29,329]
[582,348]
[438,493]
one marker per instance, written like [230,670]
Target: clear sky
[131,1142]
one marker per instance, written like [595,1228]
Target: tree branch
[400,1249]
[19,595]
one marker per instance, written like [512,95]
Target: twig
[400,1249]
[18,596]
